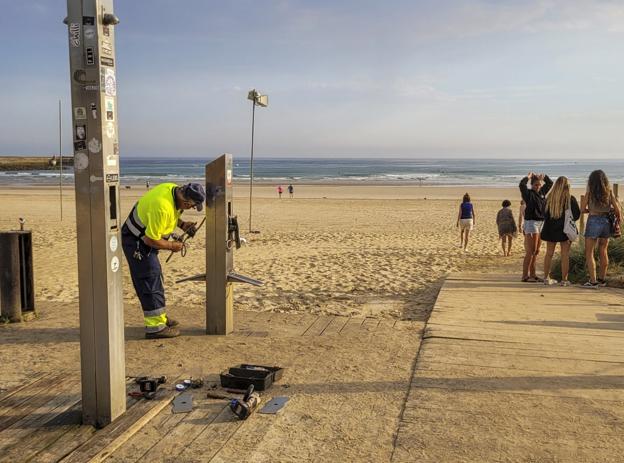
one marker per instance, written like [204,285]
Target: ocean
[438,172]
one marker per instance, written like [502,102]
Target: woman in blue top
[465,220]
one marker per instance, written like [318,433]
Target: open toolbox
[241,376]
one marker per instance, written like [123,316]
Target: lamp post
[257,99]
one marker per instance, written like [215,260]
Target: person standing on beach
[146,231]
[291,190]
[558,202]
[465,220]
[599,202]
[507,229]
[535,199]
[280,190]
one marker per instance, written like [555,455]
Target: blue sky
[453,78]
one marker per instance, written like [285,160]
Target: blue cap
[195,192]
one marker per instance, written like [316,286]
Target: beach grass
[578,269]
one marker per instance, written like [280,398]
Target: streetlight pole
[60,159]
[257,99]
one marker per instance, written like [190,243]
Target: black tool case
[241,376]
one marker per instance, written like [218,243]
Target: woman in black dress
[557,202]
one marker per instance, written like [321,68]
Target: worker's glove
[176,246]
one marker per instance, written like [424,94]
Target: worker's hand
[176,246]
[190,228]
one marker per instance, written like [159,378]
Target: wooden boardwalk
[40,421]
[510,371]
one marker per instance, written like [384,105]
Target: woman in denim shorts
[598,202]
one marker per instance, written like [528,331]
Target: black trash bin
[17,291]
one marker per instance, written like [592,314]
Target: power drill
[149,386]
[244,408]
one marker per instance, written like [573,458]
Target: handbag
[614,222]
[569,225]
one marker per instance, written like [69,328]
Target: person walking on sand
[535,199]
[465,220]
[291,190]
[280,190]
[507,229]
[554,230]
[599,202]
[146,231]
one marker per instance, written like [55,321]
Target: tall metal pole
[93,76]
[60,159]
[253,119]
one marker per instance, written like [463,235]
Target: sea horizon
[482,172]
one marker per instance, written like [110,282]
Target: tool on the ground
[149,386]
[241,376]
[194,383]
[183,403]
[221,395]
[190,233]
[274,405]
[245,407]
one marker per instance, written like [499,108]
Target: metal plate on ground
[183,403]
[274,405]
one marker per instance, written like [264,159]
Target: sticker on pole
[89,32]
[81,162]
[109,105]
[80,113]
[110,129]
[228,176]
[115,264]
[113,243]
[110,83]
[74,34]
[95,146]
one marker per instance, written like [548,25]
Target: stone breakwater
[26,163]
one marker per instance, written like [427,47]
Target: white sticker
[81,161]
[110,129]
[113,243]
[115,264]
[89,32]
[228,176]
[94,145]
[80,113]
[74,34]
[111,161]
[110,83]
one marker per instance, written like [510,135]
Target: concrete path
[517,372]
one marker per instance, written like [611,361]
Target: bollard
[17,301]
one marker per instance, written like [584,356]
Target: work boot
[171,322]
[168,332]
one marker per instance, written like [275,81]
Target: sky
[346,78]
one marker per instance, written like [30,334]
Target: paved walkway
[511,371]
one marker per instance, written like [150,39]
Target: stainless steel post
[91,25]
[219,246]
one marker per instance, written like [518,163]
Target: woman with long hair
[558,201]
[507,229]
[535,199]
[465,220]
[599,201]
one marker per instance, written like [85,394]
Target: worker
[147,230]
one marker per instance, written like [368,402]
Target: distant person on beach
[535,199]
[602,207]
[558,202]
[146,231]
[291,190]
[465,220]
[507,229]
[147,184]
[280,190]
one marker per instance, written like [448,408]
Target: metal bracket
[183,403]
[274,405]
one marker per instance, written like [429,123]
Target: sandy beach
[378,252]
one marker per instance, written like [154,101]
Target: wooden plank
[21,387]
[174,442]
[353,326]
[113,436]
[45,435]
[65,445]
[319,325]
[212,439]
[335,326]
[370,324]
[66,396]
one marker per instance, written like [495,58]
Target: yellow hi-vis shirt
[157,211]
